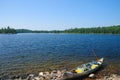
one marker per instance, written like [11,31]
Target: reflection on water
[26,53]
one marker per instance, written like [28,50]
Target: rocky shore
[111,77]
[106,72]
[58,75]
[53,75]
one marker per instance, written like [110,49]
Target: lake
[33,52]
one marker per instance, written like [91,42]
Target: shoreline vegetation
[7,30]
[97,30]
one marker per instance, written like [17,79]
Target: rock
[18,79]
[58,79]
[113,75]
[42,78]
[92,76]
[110,77]
[41,74]
[47,75]
[63,71]
[53,78]
[59,74]
[36,78]
[30,77]
[54,71]
[53,74]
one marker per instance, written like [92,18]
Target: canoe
[84,69]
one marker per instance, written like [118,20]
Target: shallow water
[33,52]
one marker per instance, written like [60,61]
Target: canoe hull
[69,75]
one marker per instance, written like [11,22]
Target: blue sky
[58,14]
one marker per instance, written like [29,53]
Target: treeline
[104,30]
[52,31]
[23,31]
[37,31]
[7,30]
[109,29]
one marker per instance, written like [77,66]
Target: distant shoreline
[94,30]
[59,33]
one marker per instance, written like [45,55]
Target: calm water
[26,53]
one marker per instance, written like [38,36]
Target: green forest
[105,30]
[7,30]
[100,30]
